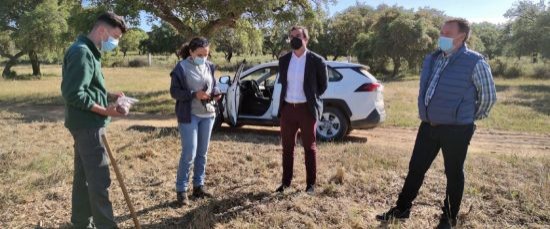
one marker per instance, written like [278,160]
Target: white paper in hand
[124,104]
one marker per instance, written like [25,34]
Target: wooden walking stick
[121,181]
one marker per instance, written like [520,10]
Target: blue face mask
[199,60]
[110,44]
[445,44]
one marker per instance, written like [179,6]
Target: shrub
[498,67]
[514,71]
[117,63]
[111,60]
[138,63]
[11,75]
[541,72]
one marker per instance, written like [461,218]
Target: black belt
[435,124]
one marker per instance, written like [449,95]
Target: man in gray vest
[456,88]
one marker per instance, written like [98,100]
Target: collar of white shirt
[299,57]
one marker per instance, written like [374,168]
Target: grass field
[523,104]
[508,167]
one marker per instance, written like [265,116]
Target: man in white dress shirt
[303,76]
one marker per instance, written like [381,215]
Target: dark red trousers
[296,117]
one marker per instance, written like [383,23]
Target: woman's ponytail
[183,53]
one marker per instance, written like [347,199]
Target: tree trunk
[229,55]
[335,57]
[12,61]
[274,54]
[7,69]
[35,64]
[396,66]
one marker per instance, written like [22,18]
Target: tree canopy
[132,39]
[203,18]
[32,28]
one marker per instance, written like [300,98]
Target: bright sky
[472,10]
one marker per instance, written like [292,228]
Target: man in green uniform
[87,113]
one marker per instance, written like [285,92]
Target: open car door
[276,97]
[233,97]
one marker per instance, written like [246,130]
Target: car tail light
[368,87]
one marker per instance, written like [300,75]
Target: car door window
[270,80]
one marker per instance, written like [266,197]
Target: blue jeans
[195,137]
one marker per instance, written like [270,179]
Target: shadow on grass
[271,135]
[51,108]
[29,77]
[36,113]
[502,88]
[224,133]
[536,97]
[213,212]
[153,102]
[33,100]
[241,134]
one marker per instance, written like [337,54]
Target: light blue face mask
[110,44]
[445,44]
[199,60]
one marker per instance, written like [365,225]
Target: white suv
[353,99]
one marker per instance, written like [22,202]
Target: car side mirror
[224,79]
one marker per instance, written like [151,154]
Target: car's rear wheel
[333,125]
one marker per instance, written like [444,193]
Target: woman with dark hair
[193,86]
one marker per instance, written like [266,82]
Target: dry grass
[523,105]
[150,85]
[357,179]
[507,187]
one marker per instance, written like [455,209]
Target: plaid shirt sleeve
[485,86]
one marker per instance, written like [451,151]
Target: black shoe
[394,214]
[310,189]
[182,199]
[446,223]
[281,188]
[200,192]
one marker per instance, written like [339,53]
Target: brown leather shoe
[200,192]
[182,199]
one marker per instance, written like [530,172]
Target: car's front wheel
[333,125]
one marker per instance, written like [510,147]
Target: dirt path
[488,141]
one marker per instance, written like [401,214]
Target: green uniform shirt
[83,85]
